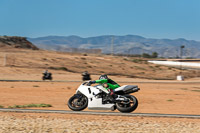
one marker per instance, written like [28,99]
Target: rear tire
[78,102]
[128,107]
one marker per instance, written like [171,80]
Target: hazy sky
[149,18]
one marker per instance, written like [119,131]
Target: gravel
[55,123]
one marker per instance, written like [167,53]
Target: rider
[86,76]
[109,84]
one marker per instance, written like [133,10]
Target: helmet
[103,76]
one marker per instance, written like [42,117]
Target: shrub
[170,100]
[36,86]
[196,90]
[31,105]
[58,68]
[137,60]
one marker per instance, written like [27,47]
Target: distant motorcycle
[86,76]
[98,98]
[47,76]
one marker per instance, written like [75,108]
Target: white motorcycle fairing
[94,102]
[98,98]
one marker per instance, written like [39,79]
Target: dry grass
[31,106]
[21,61]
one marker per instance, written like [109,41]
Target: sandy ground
[33,63]
[174,98]
[169,98]
[156,97]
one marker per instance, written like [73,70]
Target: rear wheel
[127,107]
[78,102]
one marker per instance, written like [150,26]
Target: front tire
[128,107]
[78,102]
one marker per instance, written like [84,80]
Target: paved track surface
[175,82]
[101,113]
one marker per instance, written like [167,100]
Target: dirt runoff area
[156,97]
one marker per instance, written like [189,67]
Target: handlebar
[86,83]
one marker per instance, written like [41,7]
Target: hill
[33,62]
[129,44]
[16,42]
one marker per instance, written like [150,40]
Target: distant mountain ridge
[16,42]
[128,44]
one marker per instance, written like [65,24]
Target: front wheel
[127,107]
[78,102]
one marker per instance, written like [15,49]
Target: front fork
[80,98]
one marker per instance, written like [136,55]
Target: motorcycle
[47,76]
[98,98]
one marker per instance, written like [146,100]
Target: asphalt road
[101,113]
[156,81]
